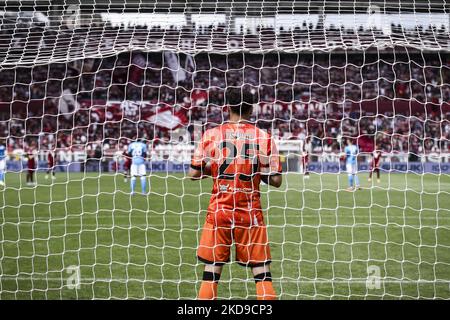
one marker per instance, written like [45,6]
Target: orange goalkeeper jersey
[239,153]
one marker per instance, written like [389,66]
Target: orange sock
[265,291]
[208,290]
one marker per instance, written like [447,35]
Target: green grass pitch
[323,238]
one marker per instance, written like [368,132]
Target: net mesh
[80,81]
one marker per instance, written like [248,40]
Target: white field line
[167,226]
[299,281]
[164,226]
[67,221]
[201,217]
[42,223]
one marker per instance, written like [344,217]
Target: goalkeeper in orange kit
[238,156]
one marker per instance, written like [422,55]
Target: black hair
[240,100]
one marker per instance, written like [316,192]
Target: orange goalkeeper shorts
[251,243]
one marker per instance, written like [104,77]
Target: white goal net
[81,80]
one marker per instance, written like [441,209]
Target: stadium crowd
[299,95]
[30,31]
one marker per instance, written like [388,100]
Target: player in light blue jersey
[138,152]
[2,162]
[351,164]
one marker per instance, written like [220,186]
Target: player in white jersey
[305,149]
[137,151]
[2,162]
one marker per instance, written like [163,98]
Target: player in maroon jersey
[375,164]
[126,165]
[31,164]
[50,164]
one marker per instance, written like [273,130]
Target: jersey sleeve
[270,163]
[201,153]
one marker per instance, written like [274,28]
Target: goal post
[81,81]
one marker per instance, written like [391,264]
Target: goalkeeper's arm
[197,173]
[274,180]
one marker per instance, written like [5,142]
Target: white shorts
[351,168]
[137,170]
[2,165]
